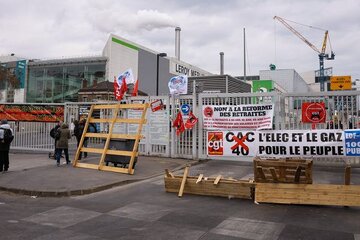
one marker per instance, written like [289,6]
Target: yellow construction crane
[322,55]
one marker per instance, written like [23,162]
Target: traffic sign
[185,109]
[340,83]
[313,112]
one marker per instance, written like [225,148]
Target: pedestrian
[6,137]
[62,144]
[52,134]
[91,128]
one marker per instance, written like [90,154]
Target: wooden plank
[115,169]
[118,120]
[319,194]
[77,155]
[233,189]
[217,179]
[297,174]
[86,165]
[112,136]
[122,106]
[347,175]
[183,181]
[273,174]
[260,172]
[168,173]
[199,178]
[138,134]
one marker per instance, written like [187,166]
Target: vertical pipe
[177,43]
[244,57]
[221,63]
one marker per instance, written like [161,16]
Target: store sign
[285,143]
[313,112]
[254,116]
[180,68]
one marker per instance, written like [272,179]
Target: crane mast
[322,55]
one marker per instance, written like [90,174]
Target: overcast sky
[53,28]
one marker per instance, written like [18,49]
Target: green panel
[263,86]
[125,44]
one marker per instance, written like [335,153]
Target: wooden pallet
[314,194]
[110,135]
[282,170]
[200,185]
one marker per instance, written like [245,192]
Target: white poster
[178,85]
[254,116]
[284,143]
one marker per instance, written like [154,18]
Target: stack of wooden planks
[200,185]
[282,170]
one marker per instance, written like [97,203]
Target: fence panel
[185,144]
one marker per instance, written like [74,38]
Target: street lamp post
[157,70]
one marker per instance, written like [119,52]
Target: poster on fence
[32,113]
[285,143]
[238,117]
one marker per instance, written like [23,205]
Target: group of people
[61,133]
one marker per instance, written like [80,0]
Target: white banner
[129,77]
[285,143]
[254,116]
[178,85]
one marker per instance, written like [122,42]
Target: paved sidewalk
[37,175]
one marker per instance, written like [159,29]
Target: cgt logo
[215,143]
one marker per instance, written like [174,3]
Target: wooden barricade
[110,135]
[314,194]
[200,185]
[282,170]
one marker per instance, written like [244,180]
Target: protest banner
[237,117]
[287,143]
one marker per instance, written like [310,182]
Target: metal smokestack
[177,43]
[221,63]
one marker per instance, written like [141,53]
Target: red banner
[32,113]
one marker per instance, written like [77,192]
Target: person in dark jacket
[6,137]
[62,144]
[52,134]
[91,128]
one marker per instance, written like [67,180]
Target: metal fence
[342,111]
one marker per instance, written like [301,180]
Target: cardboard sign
[313,112]
[156,105]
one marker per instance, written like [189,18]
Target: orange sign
[340,83]
[313,112]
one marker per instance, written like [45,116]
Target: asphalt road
[143,210]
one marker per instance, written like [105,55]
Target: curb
[80,192]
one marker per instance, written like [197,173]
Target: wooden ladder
[110,135]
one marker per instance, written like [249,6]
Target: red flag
[123,88]
[116,90]
[179,124]
[191,121]
[136,88]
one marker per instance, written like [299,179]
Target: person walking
[62,143]
[6,137]
[52,134]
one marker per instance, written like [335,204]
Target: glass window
[62,82]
